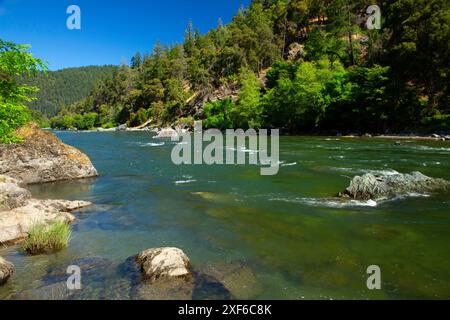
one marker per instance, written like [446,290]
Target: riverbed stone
[42,157]
[164,263]
[379,186]
[6,270]
[170,289]
[237,278]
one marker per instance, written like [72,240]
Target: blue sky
[111,31]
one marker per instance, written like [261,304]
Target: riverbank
[40,158]
[434,137]
[402,137]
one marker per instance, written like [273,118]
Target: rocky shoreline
[40,158]
[19,211]
[162,272]
[161,132]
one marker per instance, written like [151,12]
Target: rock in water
[384,186]
[122,127]
[6,270]
[42,157]
[167,133]
[164,263]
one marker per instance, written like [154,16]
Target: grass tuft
[44,239]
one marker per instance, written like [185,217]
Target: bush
[437,123]
[81,122]
[185,122]
[138,118]
[40,119]
[11,117]
[47,239]
[247,112]
[15,61]
[216,114]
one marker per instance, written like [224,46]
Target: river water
[275,237]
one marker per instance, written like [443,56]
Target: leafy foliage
[15,62]
[61,88]
[217,114]
[303,66]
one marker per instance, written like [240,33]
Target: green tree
[216,114]
[417,41]
[247,112]
[15,62]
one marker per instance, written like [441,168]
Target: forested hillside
[304,66]
[67,86]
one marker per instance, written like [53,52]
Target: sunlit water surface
[288,239]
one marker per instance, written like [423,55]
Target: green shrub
[138,118]
[437,123]
[41,120]
[185,122]
[12,116]
[217,114]
[15,61]
[47,239]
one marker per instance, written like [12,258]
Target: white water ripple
[328,202]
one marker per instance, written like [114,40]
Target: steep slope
[64,87]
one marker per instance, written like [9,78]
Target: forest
[64,87]
[303,66]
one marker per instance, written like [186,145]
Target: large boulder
[19,211]
[167,133]
[6,270]
[42,157]
[164,263]
[378,186]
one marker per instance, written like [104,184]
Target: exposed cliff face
[200,98]
[42,157]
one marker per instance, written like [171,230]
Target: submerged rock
[42,157]
[6,270]
[99,281]
[235,277]
[170,289]
[19,211]
[164,263]
[379,186]
[166,274]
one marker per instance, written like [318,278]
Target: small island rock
[387,185]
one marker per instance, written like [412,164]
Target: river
[288,238]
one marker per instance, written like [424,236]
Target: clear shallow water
[289,241]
